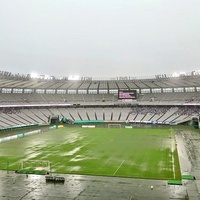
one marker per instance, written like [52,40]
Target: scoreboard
[127,94]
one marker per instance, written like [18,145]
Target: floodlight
[175,74]
[76,77]
[47,77]
[34,75]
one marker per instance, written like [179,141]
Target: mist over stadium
[99,100]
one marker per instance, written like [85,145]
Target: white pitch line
[173,167]
[119,167]
[172,149]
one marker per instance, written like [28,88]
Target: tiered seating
[82,113]
[193,97]
[69,98]
[54,111]
[32,116]
[21,119]
[26,117]
[101,99]
[58,98]
[78,98]
[116,112]
[73,112]
[180,96]
[42,118]
[7,120]
[168,114]
[144,97]
[98,97]
[110,98]
[147,118]
[139,117]
[180,119]
[89,98]
[99,113]
[8,99]
[108,113]
[65,113]
[169,97]
[139,114]
[45,112]
[48,98]
[124,114]
[91,113]
[158,96]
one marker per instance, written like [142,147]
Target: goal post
[41,167]
[114,126]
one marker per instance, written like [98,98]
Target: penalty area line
[118,167]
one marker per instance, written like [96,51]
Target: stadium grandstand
[145,102]
[162,99]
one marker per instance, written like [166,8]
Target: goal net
[114,126]
[34,167]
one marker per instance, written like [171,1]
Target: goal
[114,126]
[34,167]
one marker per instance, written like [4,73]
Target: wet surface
[15,186]
[188,145]
[80,187]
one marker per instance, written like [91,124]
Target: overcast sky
[99,38]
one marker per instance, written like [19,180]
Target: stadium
[108,138]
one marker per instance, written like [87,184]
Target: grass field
[141,153]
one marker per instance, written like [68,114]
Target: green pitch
[140,153]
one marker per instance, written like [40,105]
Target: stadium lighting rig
[177,74]
[37,76]
[34,75]
[75,78]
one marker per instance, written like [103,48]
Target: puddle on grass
[143,166]
[74,168]
[72,139]
[72,152]
[79,158]
[32,155]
